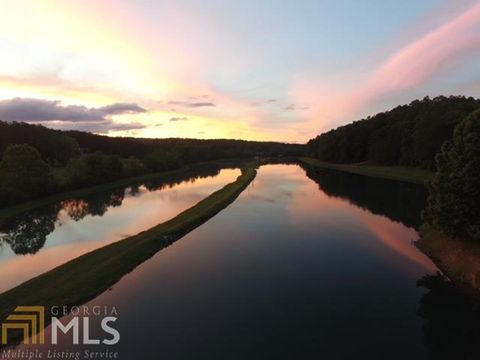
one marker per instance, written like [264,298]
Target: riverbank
[15,210]
[400,173]
[85,277]
[459,260]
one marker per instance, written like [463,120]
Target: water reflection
[452,319]
[396,200]
[71,227]
[27,234]
[452,315]
[291,272]
[379,204]
[285,272]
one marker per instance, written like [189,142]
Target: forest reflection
[27,232]
[452,316]
[399,201]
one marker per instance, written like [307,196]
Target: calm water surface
[42,239]
[304,265]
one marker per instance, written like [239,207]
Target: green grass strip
[400,173]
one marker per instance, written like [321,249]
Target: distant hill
[57,146]
[409,135]
[36,161]
[190,150]
[53,145]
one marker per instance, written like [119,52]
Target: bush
[23,174]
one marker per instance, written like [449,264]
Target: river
[305,264]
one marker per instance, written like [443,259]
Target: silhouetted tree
[91,169]
[454,201]
[161,160]
[408,135]
[54,146]
[23,174]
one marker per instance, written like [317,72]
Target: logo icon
[30,320]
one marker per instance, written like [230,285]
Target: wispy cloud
[189,104]
[435,52]
[178,118]
[428,56]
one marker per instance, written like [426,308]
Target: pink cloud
[431,55]
[440,49]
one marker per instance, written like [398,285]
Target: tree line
[408,135]
[441,134]
[37,161]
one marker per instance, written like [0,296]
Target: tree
[409,135]
[133,166]
[53,145]
[160,160]
[91,169]
[23,174]
[454,200]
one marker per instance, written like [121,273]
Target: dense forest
[37,161]
[56,147]
[409,135]
[440,134]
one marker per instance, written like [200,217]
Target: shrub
[23,174]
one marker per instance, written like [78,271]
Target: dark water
[399,201]
[301,266]
[37,241]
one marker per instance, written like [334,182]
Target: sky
[284,70]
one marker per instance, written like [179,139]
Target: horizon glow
[268,70]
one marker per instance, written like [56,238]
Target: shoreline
[398,173]
[457,259]
[14,210]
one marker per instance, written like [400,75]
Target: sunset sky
[263,70]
